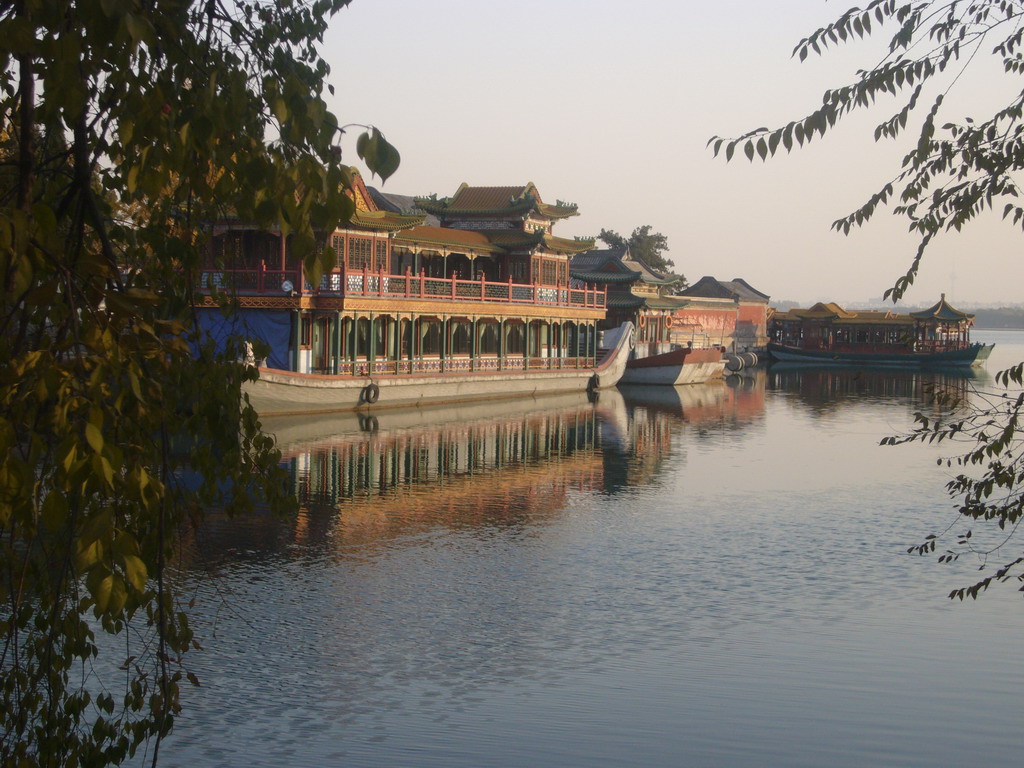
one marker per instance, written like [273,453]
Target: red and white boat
[679,366]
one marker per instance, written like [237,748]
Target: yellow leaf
[136,572]
[69,459]
[108,471]
[94,437]
[88,555]
[103,591]
[118,595]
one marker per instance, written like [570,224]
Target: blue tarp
[273,328]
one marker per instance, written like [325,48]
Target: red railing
[252,282]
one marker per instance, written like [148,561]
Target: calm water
[710,576]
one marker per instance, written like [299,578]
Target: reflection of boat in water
[965,373]
[680,366]
[468,465]
[833,384]
[681,402]
[466,452]
[295,433]
[827,334]
[737,399]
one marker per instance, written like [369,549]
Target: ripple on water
[726,585]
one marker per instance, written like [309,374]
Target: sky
[610,105]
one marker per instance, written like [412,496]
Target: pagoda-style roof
[747,292]
[839,316]
[665,302]
[624,301]
[603,277]
[632,301]
[445,238]
[384,221]
[942,310]
[389,201]
[736,289]
[494,201]
[610,265]
[567,245]
[515,239]
[368,215]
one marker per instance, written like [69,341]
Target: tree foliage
[125,127]
[953,172]
[643,246]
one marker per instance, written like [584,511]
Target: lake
[706,576]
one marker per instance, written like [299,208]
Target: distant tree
[125,128]
[954,171]
[643,246]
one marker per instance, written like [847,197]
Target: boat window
[380,337]
[514,339]
[380,255]
[307,332]
[461,337]
[430,337]
[363,336]
[359,253]
[489,339]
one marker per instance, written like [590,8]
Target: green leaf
[55,510]
[380,156]
[94,436]
[102,592]
[138,27]
[136,571]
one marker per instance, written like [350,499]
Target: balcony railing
[340,283]
[458,364]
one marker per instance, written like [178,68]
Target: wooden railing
[458,364]
[261,282]
[874,347]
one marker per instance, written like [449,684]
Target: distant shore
[997,319]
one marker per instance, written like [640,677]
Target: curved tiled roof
[942,310]
[737,289]
[624,302]
[480,201]
[460,239]
[604,277]
[566,245]
[515,238]
[840,316]
[385,221]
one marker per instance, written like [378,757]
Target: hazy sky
[610,105]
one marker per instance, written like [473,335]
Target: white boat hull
[682,366]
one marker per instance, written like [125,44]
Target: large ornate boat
[828,334]
[474,303]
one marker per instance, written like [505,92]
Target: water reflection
[359,481]
[366,480]
[561,582]
[499,462]
[831,388]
